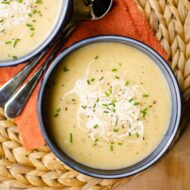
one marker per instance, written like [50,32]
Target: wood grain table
[171,173]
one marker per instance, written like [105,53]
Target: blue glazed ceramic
[167,139]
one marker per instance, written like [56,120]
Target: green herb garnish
[95,126]
[116,122]
[65,69]
[144,112]
[114,70]
[56,115]
[145,95]
[131,100]
[96,57]
[136,103]
[16,42]
[116,130]
[88,82]
[101,78]
[71,137]
[84,107]
[126,83]
[111,148]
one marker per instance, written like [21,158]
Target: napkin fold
[124,19]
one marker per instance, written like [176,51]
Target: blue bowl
[66,8]
[168,137]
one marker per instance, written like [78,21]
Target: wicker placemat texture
[40,169]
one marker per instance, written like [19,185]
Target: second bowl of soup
[109,107]
[27,26]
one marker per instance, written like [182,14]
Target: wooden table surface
[171,173]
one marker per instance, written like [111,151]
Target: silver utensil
[83,10]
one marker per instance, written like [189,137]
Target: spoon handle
[7,90]
[11,86]
[16,103]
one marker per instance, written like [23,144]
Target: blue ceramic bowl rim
[55,30]
[167,139]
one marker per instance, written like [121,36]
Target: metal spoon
[83,10]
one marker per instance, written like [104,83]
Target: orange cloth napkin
[124,19]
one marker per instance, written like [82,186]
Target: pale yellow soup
[108,105]
[25,25]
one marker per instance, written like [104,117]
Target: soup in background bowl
[109,106]
[27,26]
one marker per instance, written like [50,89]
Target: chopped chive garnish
[137,135]
[144,112]
[88,82]
[16,42]
[14,57]
[111,148]
[126,83]
[96,140]
[113,103]
[95,126]
[56,115]
[58,110]
[113,110]
[116,122]
[2,31]
[129,133]
[38,2]
[98,99]
[96,57]
[5,2]
[106,111]
[136,103]
[32,35]
[116,130]
[93,79]
[101,78]
[131,100]
[107,94]
[120,143]
[114,70]
[84,107]
[34,11]
[8,42]
[117,77]
[145,95]
[71,137]
[65,69]
[29,25]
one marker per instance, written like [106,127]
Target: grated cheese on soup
[14,12]
[113,110]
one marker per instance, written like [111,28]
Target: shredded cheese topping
[112,111]
[13,13]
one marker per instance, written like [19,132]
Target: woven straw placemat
[40,169]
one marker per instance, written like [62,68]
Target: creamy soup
[25,25]
[108,105]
